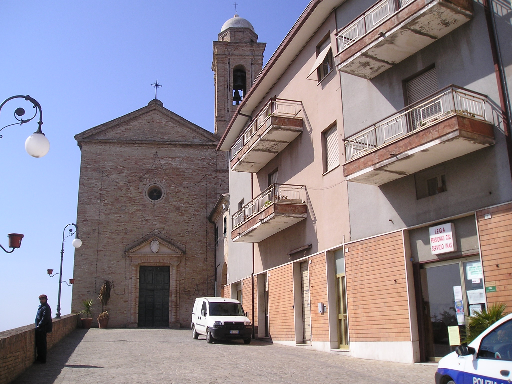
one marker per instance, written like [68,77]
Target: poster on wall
[442,239]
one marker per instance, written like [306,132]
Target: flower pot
[103,323]
[87,322]
[15,240]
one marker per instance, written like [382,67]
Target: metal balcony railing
[276,193]
[275,107]
[448,102]
[369,20]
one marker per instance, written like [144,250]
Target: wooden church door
[154,297]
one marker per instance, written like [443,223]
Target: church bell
[238,85]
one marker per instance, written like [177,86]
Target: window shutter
[332,149]
[421,86]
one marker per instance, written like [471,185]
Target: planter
[15,240]
[86,322]
[103,323]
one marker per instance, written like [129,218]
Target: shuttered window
[421,86]
[332,158]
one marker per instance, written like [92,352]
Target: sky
[86,63]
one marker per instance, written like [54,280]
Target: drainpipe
[252,274]
[500,77]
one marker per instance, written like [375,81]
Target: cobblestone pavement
[172,356]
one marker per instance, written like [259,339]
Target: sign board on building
[442,238]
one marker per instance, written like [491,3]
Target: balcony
[451,123]
[275,126]
[392,30]
[278,207]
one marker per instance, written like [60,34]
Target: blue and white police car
[486,360]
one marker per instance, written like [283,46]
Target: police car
[486,360]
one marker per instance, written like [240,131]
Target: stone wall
[17,346]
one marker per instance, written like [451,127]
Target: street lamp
[36,145]
[77,243]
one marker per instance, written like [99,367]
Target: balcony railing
[448,102]
[276,193]
[275,107]
[369,20]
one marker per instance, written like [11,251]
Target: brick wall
[226,291]
[496,251]
[318,294]
[376,289]
[247,296]
[120,160]
[17,346]
[280,301]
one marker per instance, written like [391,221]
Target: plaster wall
[301,162]
[240,254]
[482,178]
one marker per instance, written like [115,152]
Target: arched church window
[239,81]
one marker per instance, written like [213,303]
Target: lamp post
[77,243]
[36,145]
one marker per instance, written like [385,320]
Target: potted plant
[87,321]
[104,297]
[103,319]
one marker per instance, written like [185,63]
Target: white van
[220,318]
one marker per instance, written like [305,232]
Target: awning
[320,59]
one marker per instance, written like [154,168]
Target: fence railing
[276,193]
[447,102]
[275,107]
[370,19]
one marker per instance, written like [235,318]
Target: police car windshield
[226,309]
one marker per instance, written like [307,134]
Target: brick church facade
[148,181]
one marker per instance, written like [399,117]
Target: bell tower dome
[237,60]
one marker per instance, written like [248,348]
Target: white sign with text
[442,239]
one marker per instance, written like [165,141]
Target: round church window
[155,193]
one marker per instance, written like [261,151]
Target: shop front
[449,283]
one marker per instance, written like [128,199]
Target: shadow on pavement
[56,360]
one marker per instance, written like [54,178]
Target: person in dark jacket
[43,326]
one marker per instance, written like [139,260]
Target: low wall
[17,346]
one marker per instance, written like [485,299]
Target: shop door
[306,306]
[154,297]
[451,292]
[341,296]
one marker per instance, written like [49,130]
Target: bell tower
[237,60]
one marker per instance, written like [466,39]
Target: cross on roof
[156,85]
[235,4]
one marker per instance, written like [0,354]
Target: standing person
[43,326]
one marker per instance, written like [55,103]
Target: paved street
[172,356]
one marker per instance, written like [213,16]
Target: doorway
[451,292]
[154,296]
[306,304]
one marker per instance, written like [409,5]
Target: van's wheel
[450,382]
[209,337]
[247,341]
[195,335]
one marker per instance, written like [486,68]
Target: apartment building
[376,143]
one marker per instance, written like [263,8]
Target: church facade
[148,181]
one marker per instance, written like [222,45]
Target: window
[324,62]
[421,86]
[216,235]
[331,149]
[430,182]
[240,204]
[225,226]
[154,192]
[272,177]
[497,344]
